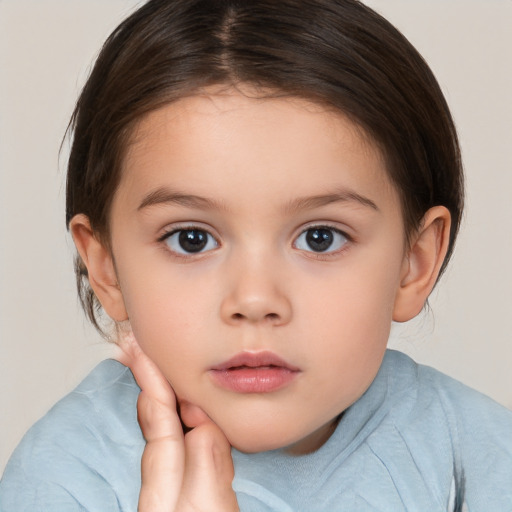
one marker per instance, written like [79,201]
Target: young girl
[256,191]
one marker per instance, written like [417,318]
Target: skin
[180,473]
[266,171]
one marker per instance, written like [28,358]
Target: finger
[191,415]
[207,481]
[162,468]
[156,406]
[163,460]
[147,374]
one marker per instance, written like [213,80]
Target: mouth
[259,372]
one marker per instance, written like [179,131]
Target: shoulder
[441,419]
[466,410]
[86,450]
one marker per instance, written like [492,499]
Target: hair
[338,53]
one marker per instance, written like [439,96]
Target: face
[259,247]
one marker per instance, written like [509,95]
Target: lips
[259,372]
[254,360]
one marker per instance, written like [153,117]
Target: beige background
[46,48]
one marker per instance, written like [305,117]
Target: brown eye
[321,239]
[190,241]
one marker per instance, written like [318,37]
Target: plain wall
[46,49]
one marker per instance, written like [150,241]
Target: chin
[255,447]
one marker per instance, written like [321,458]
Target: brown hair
[338,53]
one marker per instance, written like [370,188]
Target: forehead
[227,141]
[253,108]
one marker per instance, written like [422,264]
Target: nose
[256,294]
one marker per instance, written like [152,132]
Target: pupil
[193,240]
[319,239]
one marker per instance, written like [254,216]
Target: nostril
[269,316]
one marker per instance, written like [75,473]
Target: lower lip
[254,380]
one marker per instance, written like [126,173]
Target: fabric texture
[417,440]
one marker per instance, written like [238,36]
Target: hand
[180,472]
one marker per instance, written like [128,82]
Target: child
[256,190]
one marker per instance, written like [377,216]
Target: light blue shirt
[415,441]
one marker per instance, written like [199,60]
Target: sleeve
[84,454]
[482,431]
[20,493]
[54,473]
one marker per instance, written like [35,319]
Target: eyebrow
[343,196]
[162,196]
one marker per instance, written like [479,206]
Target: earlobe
[422,264]
[100,267]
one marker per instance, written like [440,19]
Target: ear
[422,263]
[100,267]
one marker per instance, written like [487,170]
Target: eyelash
[211,238]
[322,255]
[188,228]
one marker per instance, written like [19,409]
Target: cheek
[164,317]
[359,296]
[351,340]
[165,324]
[352,313]
[171,338]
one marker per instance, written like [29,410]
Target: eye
[190,241]
[321,239]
